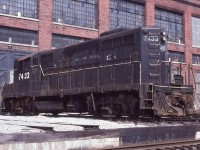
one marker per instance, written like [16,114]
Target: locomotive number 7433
[151,38]
[24,76]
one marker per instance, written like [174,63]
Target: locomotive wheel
[156,118]
[117,110]
[35,112]
[97,113]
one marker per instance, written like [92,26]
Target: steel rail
[161,145]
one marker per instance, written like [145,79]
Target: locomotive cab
[16,96]
[22,76]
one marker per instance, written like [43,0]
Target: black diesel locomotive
[123,72]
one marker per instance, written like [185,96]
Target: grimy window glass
[20,8]
[14,35]
[196,59]
[126,14]
[64,40]
[196,31]
[172,22]
[176,56]
[76,12]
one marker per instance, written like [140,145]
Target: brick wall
[187,12]
[45,27]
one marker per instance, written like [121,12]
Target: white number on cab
[24,76]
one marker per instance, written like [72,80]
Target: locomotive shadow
[76,115]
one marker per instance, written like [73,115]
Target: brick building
[37,25]
[42,24]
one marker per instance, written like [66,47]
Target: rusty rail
[189,144]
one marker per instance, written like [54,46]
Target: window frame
[22,9]
[81,13]
[195,31]
[172,22]
[133,12]
[18,36]
[63,38]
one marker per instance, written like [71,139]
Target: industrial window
[196,31]
[126,14]
[20,8]
[196,59]
[176,56]
[64,40]
[172,22]
[76,12]
[14,35]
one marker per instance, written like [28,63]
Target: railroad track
[176,145]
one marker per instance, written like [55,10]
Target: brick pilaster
[103,15]
[45,24]
[150,13]
[188,35]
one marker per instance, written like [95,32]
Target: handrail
[182,64]
[101,66]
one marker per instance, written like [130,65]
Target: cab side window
[24,65]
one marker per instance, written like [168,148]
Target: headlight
[164,38]
[164,33]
